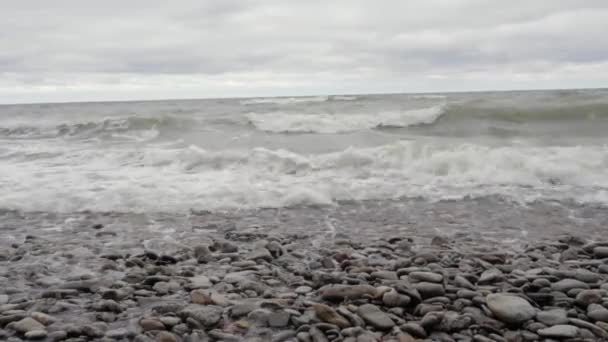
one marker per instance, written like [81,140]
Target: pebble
[375,317]
[429,290]
[426,277]
[552,317]
[510,309]
[27,324]
[148,324]
[566,285]
[342,292]
[559,331]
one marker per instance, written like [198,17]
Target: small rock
[559,331]
[260,254]
[165,336]
[36,334]
[600,252]
[429,290]
[597,313]
[552,317]
[200,297]
[278,319]
[342,292]
[490,276]
[586,297]
[395,299]
[199,282]
[303,290]
[426,276]
[566,285]
[375,317]
[27,324]
[510,309]
[3,299]
[42,318]
[329,315]
[148,324]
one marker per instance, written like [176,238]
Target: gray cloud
[74,50]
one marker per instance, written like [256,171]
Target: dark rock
[375,317]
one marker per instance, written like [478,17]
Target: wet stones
[342,292]
[425,277]
[566,285]
[552,317]
[329,315]
[559,331]
[375,317]
[510,309]
[429,290]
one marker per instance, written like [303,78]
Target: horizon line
[300,96]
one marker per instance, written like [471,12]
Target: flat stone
[490,276]
[208,315]
[199,282]
[243,308]
[117,334]
[552,317]
[342,292]
[429,290]
[510,309]
[260,254]
[27,324]
[36,334]
[165,336]
[278,319]
[395,299]
[389,275]
[566,285]
[597,313]
[303,289]
[600,252]
[586,297]
[375,317]
[148,324]
[42,317]
[329,315]
[3,299]
[425,276]
[559,331]
[464,283]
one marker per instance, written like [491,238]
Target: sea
[503,161]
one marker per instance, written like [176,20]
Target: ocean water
[327,151]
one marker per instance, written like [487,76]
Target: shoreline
[305,275]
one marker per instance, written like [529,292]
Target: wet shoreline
[237,275]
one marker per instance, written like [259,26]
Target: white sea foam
[285,100]
[179,179]
[280,122]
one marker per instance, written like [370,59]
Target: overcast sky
[65,50]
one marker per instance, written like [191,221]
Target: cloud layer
[73,50]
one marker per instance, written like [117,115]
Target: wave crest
[280,122]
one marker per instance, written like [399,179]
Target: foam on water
[154,179]
[280,122]
[284,100]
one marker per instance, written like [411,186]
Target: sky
[69,50]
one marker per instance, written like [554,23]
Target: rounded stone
[559,331]
[510,309]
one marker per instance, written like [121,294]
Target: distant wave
[284,100]
[279,122]
[132,128]
[428,97]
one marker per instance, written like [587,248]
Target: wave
[130,128]
[284,100]
[279,122]
[180,179]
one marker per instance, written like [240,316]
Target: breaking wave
[180,179]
